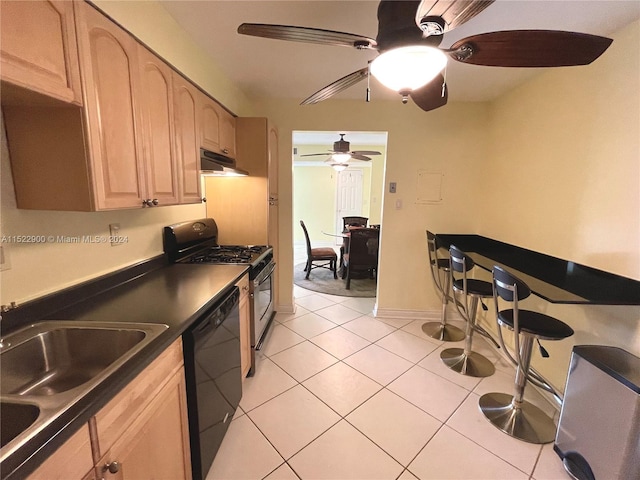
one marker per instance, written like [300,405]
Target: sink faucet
[3,309]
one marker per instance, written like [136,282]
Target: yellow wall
[314,202]
[37,269]
[451,140]
[564,167]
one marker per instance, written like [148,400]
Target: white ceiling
[275,68]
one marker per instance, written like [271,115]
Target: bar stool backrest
[505,285]
[460,261]
[432,249]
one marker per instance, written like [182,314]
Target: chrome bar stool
[466,361]
[439,268]
[512,413]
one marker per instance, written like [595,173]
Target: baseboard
[432,315]
[285,308]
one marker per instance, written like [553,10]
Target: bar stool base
[471,364]
[527,422]
[444,333]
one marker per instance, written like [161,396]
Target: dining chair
[325,257]
[362,255]
[354,222]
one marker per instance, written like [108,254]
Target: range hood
[214,164]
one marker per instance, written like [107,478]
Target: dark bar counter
[551,278]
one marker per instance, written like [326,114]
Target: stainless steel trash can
[599,429]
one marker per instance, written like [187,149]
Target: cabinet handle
[204,199]
[225,150]
[113,467]
[155,201]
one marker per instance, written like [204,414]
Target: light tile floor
[339,394]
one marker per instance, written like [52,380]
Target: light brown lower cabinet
[142,433]
[245,326]
[72,460]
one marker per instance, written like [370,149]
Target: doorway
[315,185]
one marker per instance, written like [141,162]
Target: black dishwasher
[214,384]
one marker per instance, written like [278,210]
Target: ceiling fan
[410,60]
[341,155]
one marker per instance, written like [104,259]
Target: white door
[349,196]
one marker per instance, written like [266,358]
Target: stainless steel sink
[54,361]
[16,418]
[48,366]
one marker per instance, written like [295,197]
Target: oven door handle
[266,275]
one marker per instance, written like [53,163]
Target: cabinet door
[38,48]
[156,99]
[187,139]
[108,56]
[227,133]
[245,326]
[73,460]
[209,123]
[156,444]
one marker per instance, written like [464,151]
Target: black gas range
[196,242]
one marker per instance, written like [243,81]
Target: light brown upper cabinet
[187,121]
[134,143]
[38,50]
[109,66]
[217,127]
[227,133]
[156,100]
[209,123]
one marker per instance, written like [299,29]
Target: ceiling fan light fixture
[408,68]
[339,167]
[341,157]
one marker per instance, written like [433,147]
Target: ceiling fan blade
[360,157]
[336,87]
[365,152]
[430,96]
[316,154]
[307,35]
[530,48]
[453,12]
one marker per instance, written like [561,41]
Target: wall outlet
[5,264]
[114,234]
[392,187]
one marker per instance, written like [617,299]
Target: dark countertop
[551,278]
[175,295]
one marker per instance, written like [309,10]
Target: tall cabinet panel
[39,51]
[226,197]
[187,138]
[108,58]
[156,98]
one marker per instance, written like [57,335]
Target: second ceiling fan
[410,60]
[341,154]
